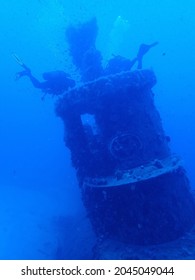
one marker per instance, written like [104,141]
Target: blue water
[40,200]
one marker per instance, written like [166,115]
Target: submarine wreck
[135,190]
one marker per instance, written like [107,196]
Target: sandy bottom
[40,225]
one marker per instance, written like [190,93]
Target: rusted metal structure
[134,189]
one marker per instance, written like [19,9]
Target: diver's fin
[143,49]
[153,44]
[26,72]
[17,59]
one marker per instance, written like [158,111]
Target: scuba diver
[119,63]
[55,82]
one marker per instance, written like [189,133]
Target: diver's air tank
[134,189]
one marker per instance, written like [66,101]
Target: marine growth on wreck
[134,188]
